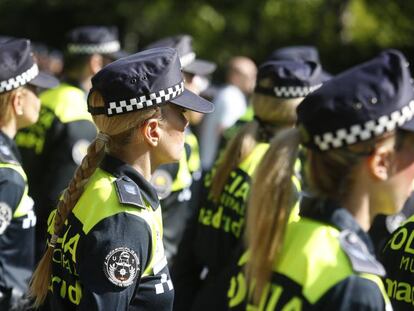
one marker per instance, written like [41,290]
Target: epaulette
[6,155]
[128,192]
[361,259]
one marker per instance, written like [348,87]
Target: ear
[17,104]
[380,163]
[151,132]
[95,63]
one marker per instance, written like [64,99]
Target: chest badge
[162,182]
[5,216]
[121,266]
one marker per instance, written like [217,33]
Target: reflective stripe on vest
[26,202]
[67,102]
[251,162]
[194,159]
[317,268]
[183,178]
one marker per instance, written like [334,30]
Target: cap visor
[408,126]
[200,67]
[44,81]
[193,102]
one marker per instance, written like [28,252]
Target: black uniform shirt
[102,268]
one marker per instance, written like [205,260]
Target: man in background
[230,104]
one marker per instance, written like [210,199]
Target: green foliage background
[345,31]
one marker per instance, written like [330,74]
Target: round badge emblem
[121,266]
[79,150]
[162,182]
[5,216]
[392,222]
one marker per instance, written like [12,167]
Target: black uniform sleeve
[113,257]
[12,187]
[354,293]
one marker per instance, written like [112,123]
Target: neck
[10,129]
[358,204]
[139,158]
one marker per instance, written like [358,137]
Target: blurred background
[345,31]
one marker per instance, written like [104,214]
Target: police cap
[17,67]
[289,79]
[189,62]
[145,79]
[299,53]
[87,40]
[363,102]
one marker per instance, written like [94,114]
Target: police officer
[358,132]
[211,242]
[20,81]
[176,183]
[106,247]
[298,53]
[54,147]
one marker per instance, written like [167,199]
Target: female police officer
[106,245]
[219,226]
[19,106]
[360,158]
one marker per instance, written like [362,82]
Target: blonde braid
[41,277]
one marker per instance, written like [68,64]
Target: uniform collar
[332,212]
[119,168]
[8,148]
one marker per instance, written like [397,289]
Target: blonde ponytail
[269,207]
[41,277]
[236,151]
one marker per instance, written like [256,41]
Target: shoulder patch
[121,266]
[128,192]
[162,182]
[361,259]
[5,216]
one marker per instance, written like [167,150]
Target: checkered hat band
[187,59]
[294,91]
[20,80]
[101,48]
[145,101]
[371,129]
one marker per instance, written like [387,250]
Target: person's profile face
[172,133]
[30,106]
